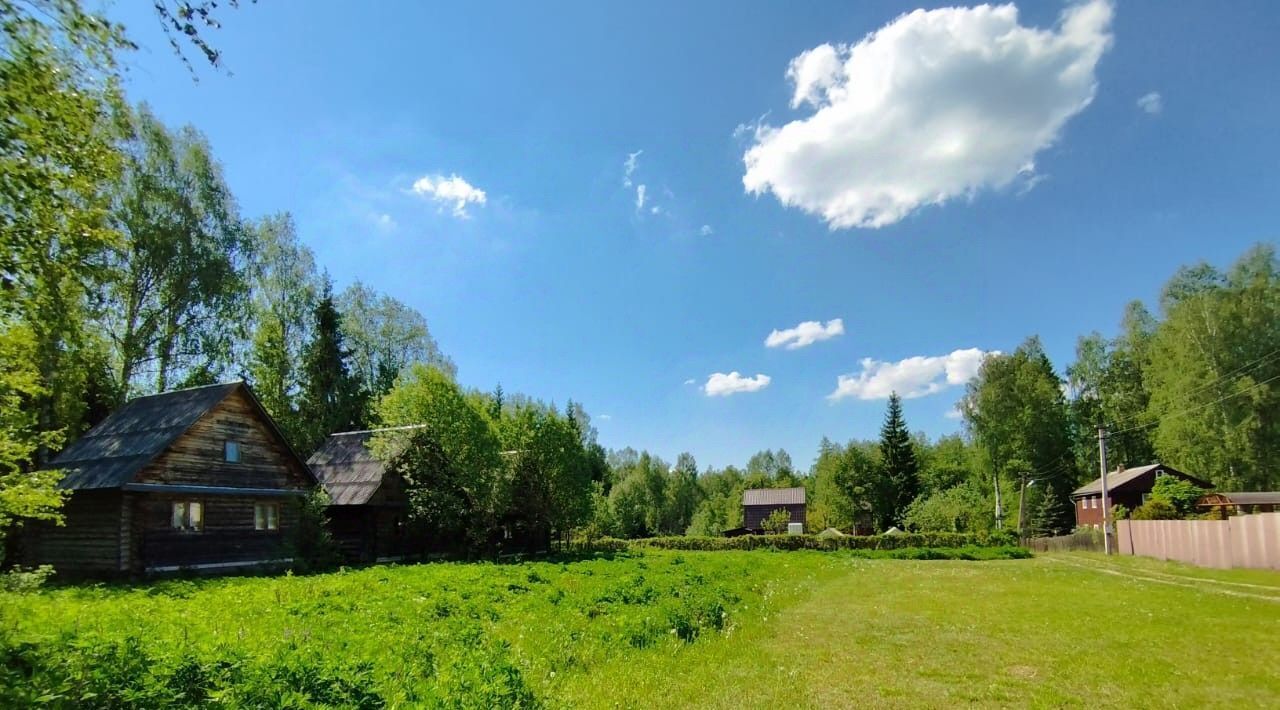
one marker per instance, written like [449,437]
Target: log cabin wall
[198,456]
[352,527]
[90,540]
[228,536]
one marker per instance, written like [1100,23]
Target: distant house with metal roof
[368,504]
[1243,502]
[759,503]
[1129,488]
[198,478]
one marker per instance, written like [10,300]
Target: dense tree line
[1195,385]
[127,268]
[486,469]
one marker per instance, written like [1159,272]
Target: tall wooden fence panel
[1239,541]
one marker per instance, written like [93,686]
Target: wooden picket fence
[1087,540]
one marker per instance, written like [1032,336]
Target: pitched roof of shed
[109,454]
[773,496]
[1121,478]
[1241,498]
[347,469]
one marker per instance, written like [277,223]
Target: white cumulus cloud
[452,190]
[937,104]
[706,230]
[1151,103]
[640,192]
[721,385]
[805,334]
[913,377]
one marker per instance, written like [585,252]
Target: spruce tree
[333,399]
[898,456]
[1055,514]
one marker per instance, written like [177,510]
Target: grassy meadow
[659,629]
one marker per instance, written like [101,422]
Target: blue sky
[1018,180]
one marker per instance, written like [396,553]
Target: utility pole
[1106,497]
[995,477]
[1022,506]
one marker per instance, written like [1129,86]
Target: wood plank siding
[128,472]
[228,535]
[89,542]
[753,516]
[197,457]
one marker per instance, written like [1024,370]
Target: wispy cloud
[452,190]
[805,334]
[720,384]
[1152,103]
[905,118]
[629,167]
[706,230]
[911,377]
[640,196]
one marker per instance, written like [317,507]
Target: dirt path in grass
[1201,583]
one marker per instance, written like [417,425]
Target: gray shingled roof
[109,454]
[773,496]
[347,469]
[1121,478]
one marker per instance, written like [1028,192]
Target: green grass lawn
[662,629]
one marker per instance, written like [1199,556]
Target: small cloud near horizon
[453,190]
[911,377]
[720,384]
[1152,103]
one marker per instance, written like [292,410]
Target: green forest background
[127,269]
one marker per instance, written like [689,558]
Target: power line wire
[1254,386]
[1217,381]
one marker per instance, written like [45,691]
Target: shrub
[776,523]
[311,544]
[809,542]
[1156,509]
[24,580]
[1179,494]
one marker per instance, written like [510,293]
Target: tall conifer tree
[898,455]
[332,398]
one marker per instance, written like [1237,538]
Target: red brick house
[1129,488]
[759,503]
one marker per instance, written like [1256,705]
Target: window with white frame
[187,515]
[266,516]
[231,451]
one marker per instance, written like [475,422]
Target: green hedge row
[806,542]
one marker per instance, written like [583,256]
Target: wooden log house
[368,505]
[196,479]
